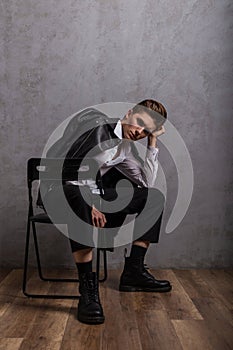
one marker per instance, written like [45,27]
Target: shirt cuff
[152,152]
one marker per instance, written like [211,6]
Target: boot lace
[91,292]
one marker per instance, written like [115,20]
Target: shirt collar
[118,130]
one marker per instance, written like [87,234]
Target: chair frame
[34,174]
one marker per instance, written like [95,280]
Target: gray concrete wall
[60,56]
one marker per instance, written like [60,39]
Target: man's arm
[151,160]
[152,138]
[143,174]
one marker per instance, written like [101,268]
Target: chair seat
[42,217]
[108,249]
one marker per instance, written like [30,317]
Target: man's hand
[98,218]
[159,132]
[152,138]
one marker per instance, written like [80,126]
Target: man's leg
[135,276]
[90,310]
[83,256]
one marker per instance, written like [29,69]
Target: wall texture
[60,56]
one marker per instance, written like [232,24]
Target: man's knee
[157,195]
[83,250]
[76,246]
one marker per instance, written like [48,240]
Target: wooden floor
[196,314]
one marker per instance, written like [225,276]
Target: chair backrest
[50,169]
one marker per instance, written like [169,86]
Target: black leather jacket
[89,130]
[88,133]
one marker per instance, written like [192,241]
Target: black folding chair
[50,169]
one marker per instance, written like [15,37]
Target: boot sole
[141,289]
[96,320]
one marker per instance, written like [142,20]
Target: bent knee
[157,194]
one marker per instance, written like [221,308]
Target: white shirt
[122,158]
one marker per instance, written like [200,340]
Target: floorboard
[195,315]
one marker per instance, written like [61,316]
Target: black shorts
[147,203]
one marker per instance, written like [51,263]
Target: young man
[112,142]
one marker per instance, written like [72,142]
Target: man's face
[137,126]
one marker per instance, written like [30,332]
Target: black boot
[136,278]
[89,308]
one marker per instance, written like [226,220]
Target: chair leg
[37,252]
[39,264]
[45,296]
[105,266]
[25,270]
[98,265]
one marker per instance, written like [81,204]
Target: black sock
[137,251]
[84,267]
